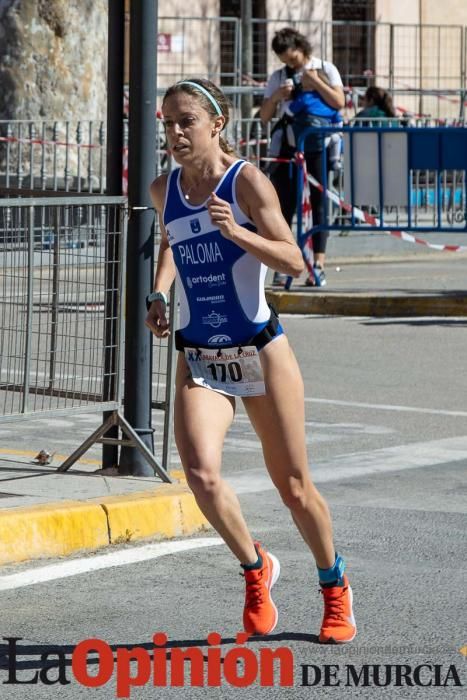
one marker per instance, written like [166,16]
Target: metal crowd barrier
[52,301]
[52,155]
[62,283]
[393,178]
[68,156]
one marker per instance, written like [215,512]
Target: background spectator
[377,104]
[307,73]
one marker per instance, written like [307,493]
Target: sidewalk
[46,514]
[420,282]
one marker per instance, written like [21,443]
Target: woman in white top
[301,71]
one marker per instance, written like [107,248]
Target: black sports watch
[155,296]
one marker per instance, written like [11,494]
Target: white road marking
[388,459]
[103,561]
[388,407]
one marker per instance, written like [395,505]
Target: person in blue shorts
[222,226]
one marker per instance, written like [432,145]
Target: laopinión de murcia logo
[95,663]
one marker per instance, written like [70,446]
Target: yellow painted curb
[58,529]
[169,511]
[32,453]
[367,304]
[53,529]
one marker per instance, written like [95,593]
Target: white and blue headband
[205,92]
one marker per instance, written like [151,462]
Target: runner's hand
[221,215]
[156,320]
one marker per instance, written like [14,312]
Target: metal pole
[391,58]
[29,312]
[420,50]
[115,61]
[140,248]
[246,28]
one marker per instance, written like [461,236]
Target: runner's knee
[202,480]
[295,492]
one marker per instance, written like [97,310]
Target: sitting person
[377,104]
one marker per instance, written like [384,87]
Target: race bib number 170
[231,371]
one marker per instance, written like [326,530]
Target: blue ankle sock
[334,575]
[257,565]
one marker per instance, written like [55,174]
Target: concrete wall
[429,57]
[51,64]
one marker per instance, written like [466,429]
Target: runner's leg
[202,418]
[279,421]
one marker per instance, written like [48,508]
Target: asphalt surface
[386,425]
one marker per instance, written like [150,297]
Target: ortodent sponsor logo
[210,280]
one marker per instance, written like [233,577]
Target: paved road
[386,418]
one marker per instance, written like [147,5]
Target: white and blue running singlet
[221,286]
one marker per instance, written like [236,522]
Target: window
[353,40]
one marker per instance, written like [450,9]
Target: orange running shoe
[338,626]
[260,614]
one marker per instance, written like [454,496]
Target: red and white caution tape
[374,221]
[41,142]
[307,214]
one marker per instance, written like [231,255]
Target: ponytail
[387,106]
[226,147]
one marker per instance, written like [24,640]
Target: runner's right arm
[156,319]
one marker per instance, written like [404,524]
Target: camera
[296,80]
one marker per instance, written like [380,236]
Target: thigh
[278,417]
[202,418]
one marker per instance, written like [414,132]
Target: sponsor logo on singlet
[219,339]
[211,280]
[200,253]
[215,299]
[214,319]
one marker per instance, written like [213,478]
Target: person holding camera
[302,73]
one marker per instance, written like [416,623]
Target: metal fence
[391,55]
[52,155]
[208,46]
[62,268]
[394,56]
[66,156]
[53,304]
[394,178]
[29,165]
